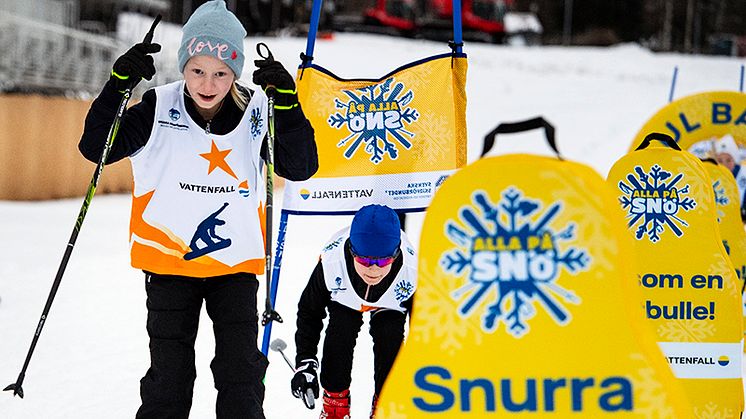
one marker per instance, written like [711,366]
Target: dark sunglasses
[368,261]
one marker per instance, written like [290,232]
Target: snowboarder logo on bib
[207,236]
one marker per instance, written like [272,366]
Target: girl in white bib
[197,227]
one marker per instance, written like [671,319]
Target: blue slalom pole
[673,83]
[457,33]
[275,276]
[312,29]
[740,89]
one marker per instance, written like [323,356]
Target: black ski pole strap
[259,51]
[306,61]
[664,138]
[521,126]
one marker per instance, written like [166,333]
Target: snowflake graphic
[656,203]
[392,411]
[721,199]
[651,400]
[403,290]
[517,257]
[442,327]
[686,331]
[256,122]
[713,411]
[375,116]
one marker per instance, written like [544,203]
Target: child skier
[728,154]
[197,227]
[368,267]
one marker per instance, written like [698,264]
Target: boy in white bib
[368,267]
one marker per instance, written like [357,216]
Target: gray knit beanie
[213,30]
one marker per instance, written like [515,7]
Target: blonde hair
[239,97]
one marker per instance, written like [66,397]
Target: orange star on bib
[217,159]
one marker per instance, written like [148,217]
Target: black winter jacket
[316,297]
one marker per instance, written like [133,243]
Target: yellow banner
[699,117]
[392,141]
[690,293]
[729,218]
[524,303]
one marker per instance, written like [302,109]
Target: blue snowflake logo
[256,122]
[503,247]
[653,203]
[403,290]
[721,199]
[375,116]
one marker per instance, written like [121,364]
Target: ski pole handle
[149,36]
[308,399]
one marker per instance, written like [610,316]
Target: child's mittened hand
[272,73]
[136,64]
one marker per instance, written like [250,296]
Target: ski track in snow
[94,348]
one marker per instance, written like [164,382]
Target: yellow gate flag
[523,306]
[690,293]
[729,218]
[698,117]
[391,141]
[729,215]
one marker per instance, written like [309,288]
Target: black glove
[134,65]
[272,73]
[305,378]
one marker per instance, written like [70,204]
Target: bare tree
[667,25]
[688,29]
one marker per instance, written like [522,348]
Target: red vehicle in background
[397,14]
[480,17]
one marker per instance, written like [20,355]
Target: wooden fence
[39,157]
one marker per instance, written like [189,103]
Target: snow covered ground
[94,347]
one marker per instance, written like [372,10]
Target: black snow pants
[174,305]
[387,331]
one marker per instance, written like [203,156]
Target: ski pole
[269,314]
[17,386]
[279,345]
